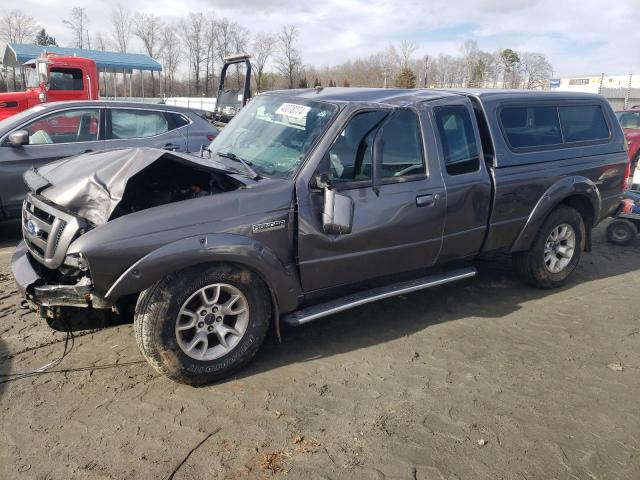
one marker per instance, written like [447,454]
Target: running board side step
[306,315]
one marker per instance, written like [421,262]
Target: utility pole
[426,71]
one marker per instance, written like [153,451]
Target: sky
[578,36]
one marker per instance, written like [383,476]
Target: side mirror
[321,181]
[337,215]
[378,147]
[19,138]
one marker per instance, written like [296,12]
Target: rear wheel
[202,324]
[555,252]
[621,231]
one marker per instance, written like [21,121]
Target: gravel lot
[482,379]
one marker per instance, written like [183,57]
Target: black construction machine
[233,93]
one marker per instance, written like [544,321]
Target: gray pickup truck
[311,202]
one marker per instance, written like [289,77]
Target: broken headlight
[76,260]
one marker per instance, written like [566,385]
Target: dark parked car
[56,130]
[313,202]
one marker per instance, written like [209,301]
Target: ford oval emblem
[32,228]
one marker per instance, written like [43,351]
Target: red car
[630,121]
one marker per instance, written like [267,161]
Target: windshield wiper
[246,164]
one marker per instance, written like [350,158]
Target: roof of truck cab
[504,94]
[395,96]
[368,95]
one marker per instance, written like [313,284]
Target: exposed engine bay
[110,184]
[167,181]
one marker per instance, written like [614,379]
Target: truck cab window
[402,153]
[458,139]
[65,79]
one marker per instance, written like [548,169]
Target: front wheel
[555,252]
[202,324]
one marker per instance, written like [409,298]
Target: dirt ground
[482,379]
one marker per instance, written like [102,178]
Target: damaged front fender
[211,248]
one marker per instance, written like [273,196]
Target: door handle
[88,150]
[171,147]
[425,200]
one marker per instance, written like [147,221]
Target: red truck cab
[53,78]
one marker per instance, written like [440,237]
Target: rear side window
[527,127]
[458,139]
[583,123]
[132,123]
[176,120]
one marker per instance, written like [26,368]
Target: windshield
[629,119]
[273,134]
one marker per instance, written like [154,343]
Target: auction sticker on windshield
[293,110]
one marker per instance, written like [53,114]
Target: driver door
[397,230]
[62,134]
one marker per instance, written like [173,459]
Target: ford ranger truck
[312,202]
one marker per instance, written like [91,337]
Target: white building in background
[594,83]
[622,91]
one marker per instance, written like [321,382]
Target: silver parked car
[52,131]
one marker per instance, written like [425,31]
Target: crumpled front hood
[92,185]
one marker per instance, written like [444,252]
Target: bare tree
[147,28]
[170,55]
[100,42]
[240,40]
[192,30]
[221,43]
[16,27]
[223,38]
[263,47]
[122,24]
[536,69]
[77,23]
[210,34]
[407,49]
[288,61]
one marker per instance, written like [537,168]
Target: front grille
[47,231]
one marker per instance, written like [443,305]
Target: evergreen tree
[316,82]
[406,79]
[43,38]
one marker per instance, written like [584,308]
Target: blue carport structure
[16,54]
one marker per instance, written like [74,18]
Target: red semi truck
[53,78]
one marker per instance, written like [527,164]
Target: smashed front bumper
[41,293]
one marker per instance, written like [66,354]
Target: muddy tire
[621,231]
[555,251]
[202,324]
